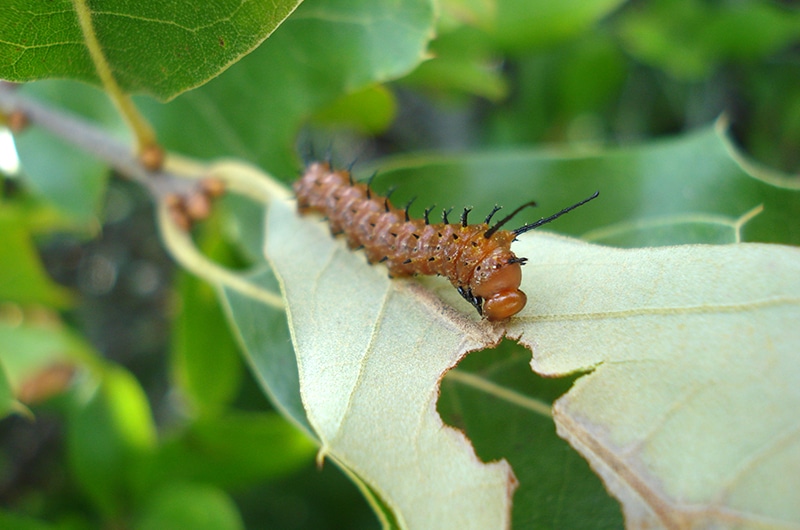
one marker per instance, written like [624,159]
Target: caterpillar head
[500,292]
[498,282]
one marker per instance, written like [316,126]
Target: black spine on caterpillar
[477,258]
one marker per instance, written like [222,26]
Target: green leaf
[648,193]
[690,410]
[228,451]
[66,177]
[30,350]
[110,438]
[14,521]
[23,279]
[688,39]
[7,402]
[195,506]
[523,25]
[504,410]
[462,61]
[263,333]
[205,356]
[254,111]
[162,48]
[368,111]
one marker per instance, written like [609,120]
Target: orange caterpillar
[477,259]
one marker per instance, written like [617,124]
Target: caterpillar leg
[476,301]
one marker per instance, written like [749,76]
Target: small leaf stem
[183,249]
[145,136]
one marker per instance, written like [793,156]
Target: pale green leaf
[370,354]
[370,351]
[690,412]
[673,325]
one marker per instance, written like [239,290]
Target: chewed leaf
[690,412]
[163,48]
[371,352]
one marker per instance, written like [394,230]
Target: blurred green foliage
[562,91]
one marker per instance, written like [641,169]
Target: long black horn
[545,220]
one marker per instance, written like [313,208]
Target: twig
[182,180]
[94,141]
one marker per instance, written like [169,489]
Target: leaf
[39,358]
[462,62]
[110,436]
[522,24]
[370,354]
[7,402]
[228,451]
[161,48]
[689,39]
[368,111]
[23,279]
[51,176]
[205,358]
[188,505]
[675,338]
[370,351]
[648,193]
[690,412]
[264,336]
[16,521]
[254,111]
[504,409]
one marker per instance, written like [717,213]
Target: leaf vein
[677,310]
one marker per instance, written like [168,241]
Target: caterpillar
[476,258]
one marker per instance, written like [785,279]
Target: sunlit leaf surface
[690,412]
[685,355]
[163,48]
[370,355]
